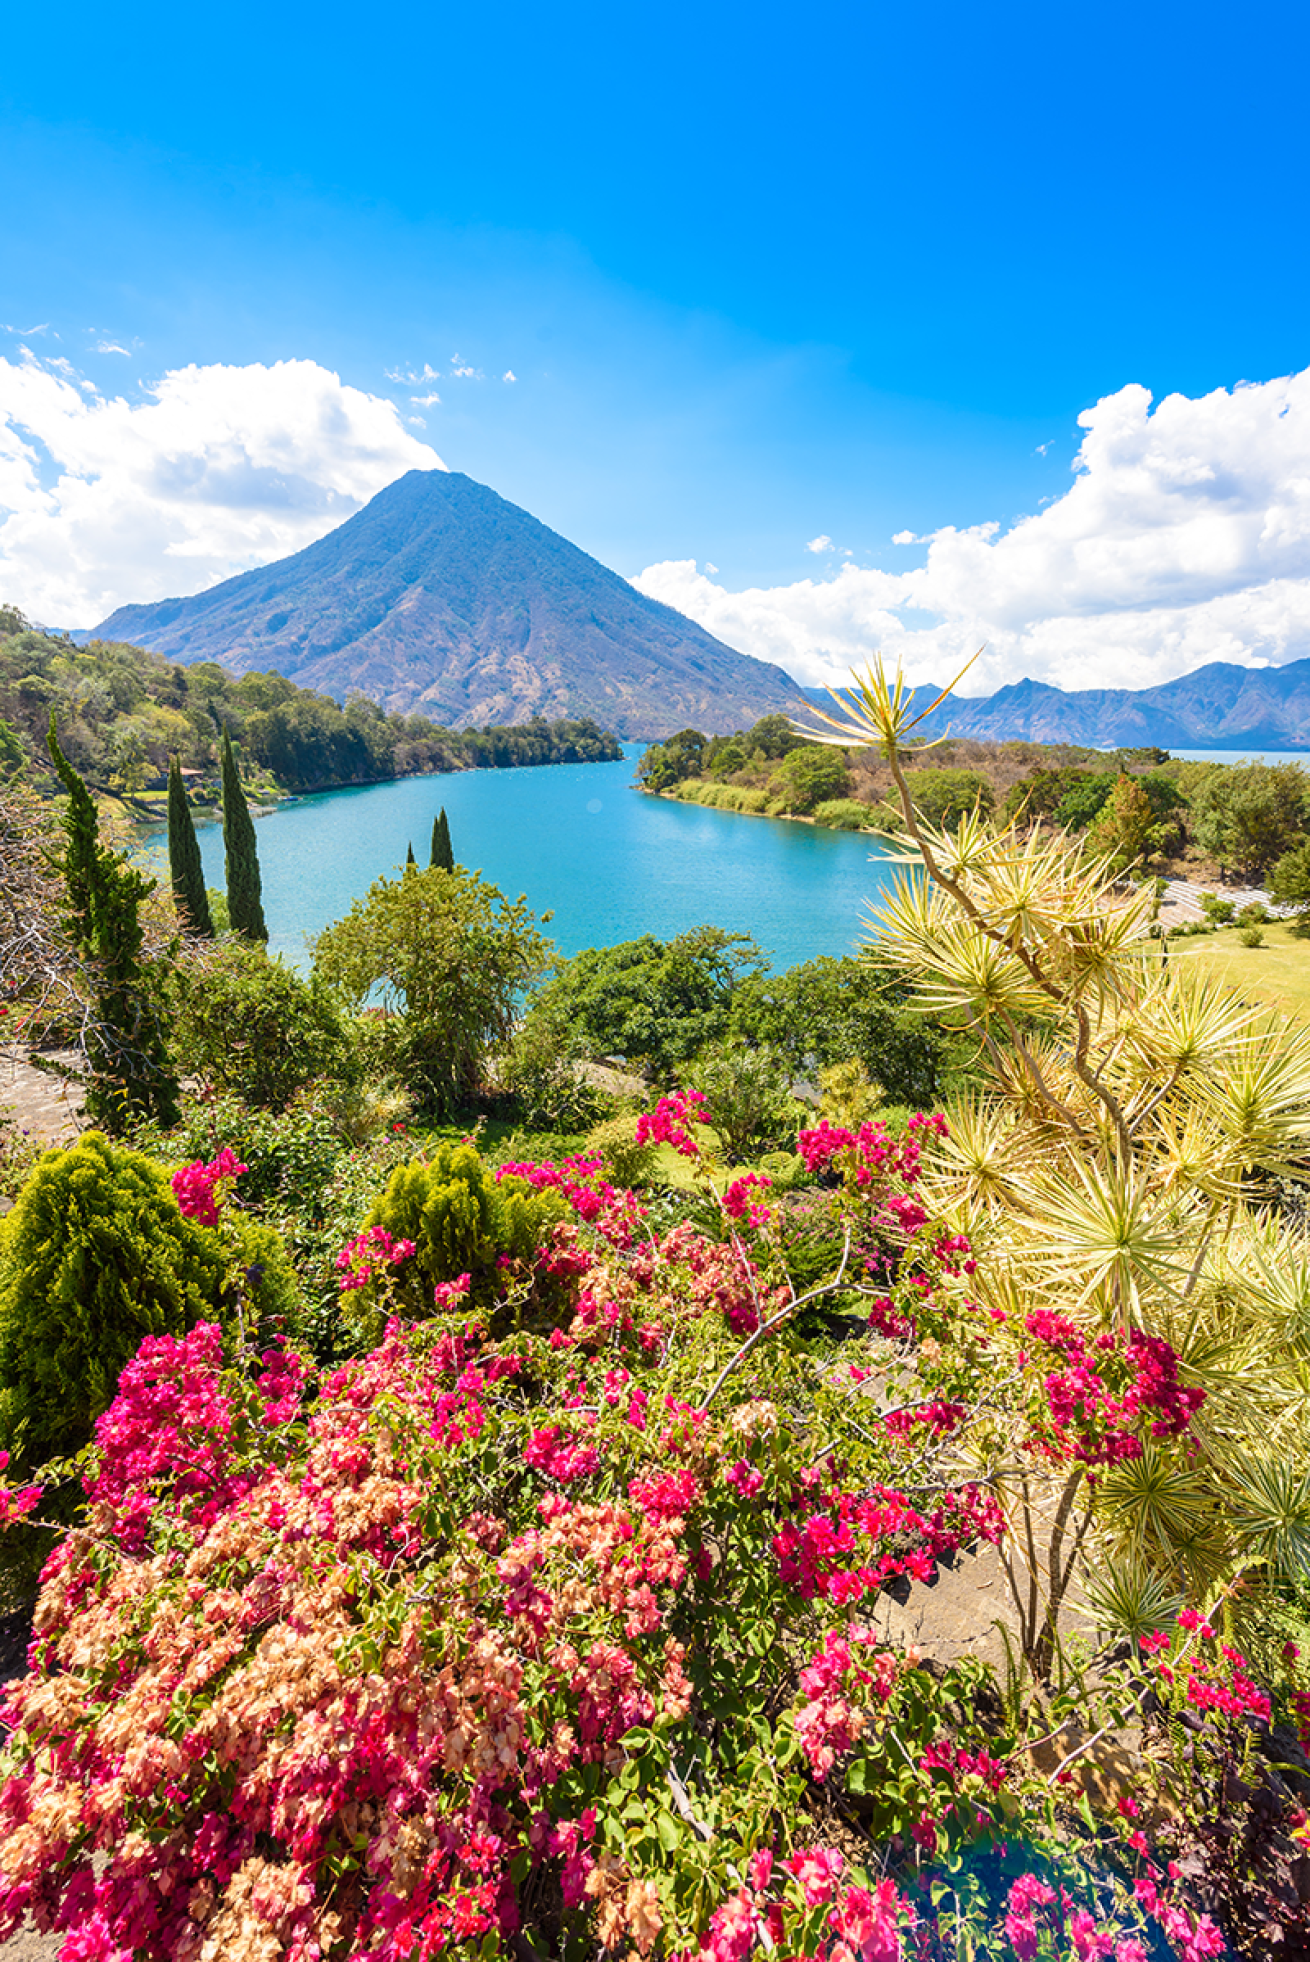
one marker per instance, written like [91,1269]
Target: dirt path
[44,1106]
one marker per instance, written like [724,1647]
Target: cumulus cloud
[509,375]
[211,471]
[1185,538]
[820,544]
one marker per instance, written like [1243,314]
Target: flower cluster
[200,1188]
[829,1724]
[738,1204]
[369,1253]
[838,1553]
[16,1501]
[1209,1679]
[671,1120]
[1103,1388]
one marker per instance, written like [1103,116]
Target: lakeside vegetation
[123,712]
[1139,807]
[474,1441]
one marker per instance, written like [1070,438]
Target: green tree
[450,956]
[251,1026]
[809,776]
[747,1097]
[944,796]
[129,1073]
[834,1010]
[653,1002]
[244,889]
[669,762]
[441,854]
[1246,818]
[1289,884]
[184,864]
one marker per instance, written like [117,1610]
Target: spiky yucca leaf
[1104,1238]
[1126,1597]
[1270,1510]
[1153,1502]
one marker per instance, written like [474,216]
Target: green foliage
[1218,911]
[626,1163]
[843,814]
[809,776]
[129,1071]
[943,796]
[125,711]
[1252,935]
[1070,796]
[830,1010]
[1289,881]
[244,890]
[254,1027]
[1250,817]
[667,763]
[1133,824]
[450,955]
[94,1257]
[541,1070]
[442,854]
[290,1158]
[462,1219]
[185,868]
[747,1097]
[653,1002]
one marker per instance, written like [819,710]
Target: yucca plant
[1116,1168]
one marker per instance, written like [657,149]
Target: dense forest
[123,712]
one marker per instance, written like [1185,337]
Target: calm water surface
[577,839]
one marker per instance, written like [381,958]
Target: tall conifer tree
[184,864]
[411,863]
[129,1073]
[245,904]
[442,854]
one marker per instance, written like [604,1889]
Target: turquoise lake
[578,840]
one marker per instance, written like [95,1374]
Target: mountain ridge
[442,597]
[1218,706]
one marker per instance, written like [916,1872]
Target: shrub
[623,1160]
[1252,935]
[1219,911]
[843,814]
[254,1027]
[94,1257]
[747,1097]
[450,956]
[808,777]
[463,1222]
[289,1156]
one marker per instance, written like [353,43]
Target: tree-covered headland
[124,713]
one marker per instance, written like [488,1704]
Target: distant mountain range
[441,597]
[1217,707]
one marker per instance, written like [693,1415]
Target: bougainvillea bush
[550,1627]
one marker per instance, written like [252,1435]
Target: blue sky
[762,277]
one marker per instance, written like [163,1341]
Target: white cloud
[24,332]
[1185,538]
[425,401]
[711,569]
[905,538]
[820,544]
[112,347]
[214,470]
[509,375]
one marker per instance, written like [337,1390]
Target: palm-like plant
[1115,1167]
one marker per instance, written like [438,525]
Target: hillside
[1217,707]
[122,712]
[441,596]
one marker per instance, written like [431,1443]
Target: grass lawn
[1277,972]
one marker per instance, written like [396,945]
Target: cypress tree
[127,1059]
[442,854]
[411,863]
[184,860]
[244,901]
